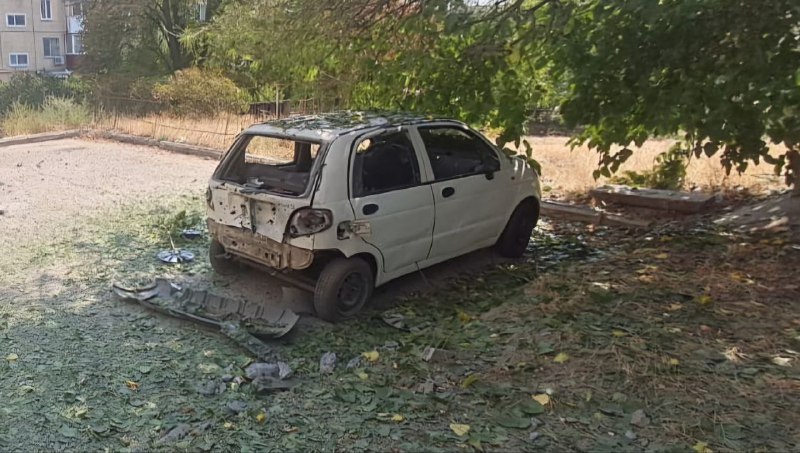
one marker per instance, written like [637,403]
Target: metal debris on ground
[191,233]
[436,355]
[327,363]
[175,256]
[239,320]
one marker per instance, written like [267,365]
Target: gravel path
[43,186]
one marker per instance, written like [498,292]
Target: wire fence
[216,128]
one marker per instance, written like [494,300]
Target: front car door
[470,196]
[387,193]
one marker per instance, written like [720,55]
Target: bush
[669,172]
[196,92]
[33,90]
[53,115]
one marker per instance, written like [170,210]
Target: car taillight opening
[308,221]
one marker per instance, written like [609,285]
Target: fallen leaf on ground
[702,447]
[543,399]
[675,307]
[469,380]
[261,417]
[12,357]
[662,256]
[398,418]
[781,361]
[132,385]
[561,357]
[618,333]
[371,356]
[459,429]
[705,299]
[464,317]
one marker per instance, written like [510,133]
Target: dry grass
[565,171]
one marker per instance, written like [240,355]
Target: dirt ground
[44,187]
[684,337]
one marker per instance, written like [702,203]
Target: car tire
[343,288]
[517,234]
[222,264]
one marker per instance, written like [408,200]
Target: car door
[388,194]
[470,200]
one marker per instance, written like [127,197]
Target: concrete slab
[668,200]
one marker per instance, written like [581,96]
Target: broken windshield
[271,164]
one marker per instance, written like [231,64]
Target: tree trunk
[793,171]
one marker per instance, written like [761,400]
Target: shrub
[196,92]
[53,115]
[33,90]
[668,172]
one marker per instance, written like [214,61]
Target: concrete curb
[182,148]
[37,138]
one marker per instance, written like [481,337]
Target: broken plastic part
[240,321]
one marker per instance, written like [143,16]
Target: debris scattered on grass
[236,407]
[436,355]
[327,363]
[175,256]
[396,320]
[231,317]
[280,370]
[191,233]
[355,362]
[639,418]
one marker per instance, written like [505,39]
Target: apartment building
[42,36]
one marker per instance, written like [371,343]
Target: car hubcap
[351,293]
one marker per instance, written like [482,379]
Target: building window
[47,10]
[75,9]
[74,44]
[51,48]
[15,20]
[18,60]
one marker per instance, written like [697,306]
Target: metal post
[277,102]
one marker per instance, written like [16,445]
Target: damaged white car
[355,200]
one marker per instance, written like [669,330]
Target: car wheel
[221,262]
[343,288]
[515,237]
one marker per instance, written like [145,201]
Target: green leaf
[531,407]
[512,421]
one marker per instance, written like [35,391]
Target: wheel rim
[351,294]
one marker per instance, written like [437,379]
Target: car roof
[327,126]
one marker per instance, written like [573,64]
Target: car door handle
[448,192]
[369,209]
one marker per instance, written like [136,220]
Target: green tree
[476,63]
[723,74]
[142,37]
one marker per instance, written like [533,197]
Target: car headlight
[308,221]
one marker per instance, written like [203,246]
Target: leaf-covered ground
[677,339]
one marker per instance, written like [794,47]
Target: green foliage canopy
[724,74]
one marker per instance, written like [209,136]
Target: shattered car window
[271,164]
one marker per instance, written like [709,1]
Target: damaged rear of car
[259,202]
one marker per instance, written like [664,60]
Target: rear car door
[470,201]
[387,193]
